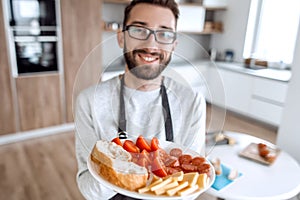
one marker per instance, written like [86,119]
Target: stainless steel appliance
[34,36]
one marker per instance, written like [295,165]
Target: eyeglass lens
[142,33]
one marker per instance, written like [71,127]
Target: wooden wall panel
[39,101]
[7,114]
[81,30]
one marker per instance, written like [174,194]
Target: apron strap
[166,112]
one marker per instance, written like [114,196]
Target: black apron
[122,123]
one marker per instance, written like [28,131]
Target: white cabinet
[269,90]
[188,14]
[268,100]
[236,88]
[257,97]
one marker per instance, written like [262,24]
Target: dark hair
[171,4]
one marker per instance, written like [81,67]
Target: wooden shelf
[117,1]
[215,8]
[210,32]
[201,32]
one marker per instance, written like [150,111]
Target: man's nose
[151,41]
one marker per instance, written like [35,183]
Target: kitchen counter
[270,73]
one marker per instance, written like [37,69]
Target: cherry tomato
[158,168]
[117,141]
[154,144]
[142,144]
[130,146]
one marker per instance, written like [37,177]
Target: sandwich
[115,166]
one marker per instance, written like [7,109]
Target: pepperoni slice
[172,161]
[186,167]
[173,170]
[197,161]
[176,152]
[185,158]
[204,168]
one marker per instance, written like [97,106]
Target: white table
[279,181]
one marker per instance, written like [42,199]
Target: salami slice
[176,152]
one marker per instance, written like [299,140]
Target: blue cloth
[221,180]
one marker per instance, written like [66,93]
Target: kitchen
[87,22]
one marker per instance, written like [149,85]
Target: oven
[36,53]
[34,38]
[30,12]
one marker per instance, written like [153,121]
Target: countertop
[270,73]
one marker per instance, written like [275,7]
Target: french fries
[177,184]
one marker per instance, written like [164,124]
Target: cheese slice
[162,184]
[191,178]
[173,191]
[202,181]
[147,188]
[162,190]
[188,190]
[178,176]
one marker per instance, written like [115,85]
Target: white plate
[93,168]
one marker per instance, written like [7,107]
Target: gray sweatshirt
[97,115]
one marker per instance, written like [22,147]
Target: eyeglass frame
[126,28]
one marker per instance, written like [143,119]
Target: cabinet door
[237,90]
[39,101]
[7,114]
[265,111]
[268,100]
[81,33]
[270,90]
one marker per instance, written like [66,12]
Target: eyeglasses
[143,33]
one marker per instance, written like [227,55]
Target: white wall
[289,130]
[235,20]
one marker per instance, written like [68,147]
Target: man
[141,101]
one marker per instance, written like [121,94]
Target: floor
[45,168]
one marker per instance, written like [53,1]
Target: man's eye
[167,34]
[138,30]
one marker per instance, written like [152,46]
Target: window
[272,30]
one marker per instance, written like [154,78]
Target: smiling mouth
[147,57]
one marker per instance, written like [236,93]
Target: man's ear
[121,39]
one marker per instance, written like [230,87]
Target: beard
[146,71]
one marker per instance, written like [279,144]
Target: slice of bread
[115,166]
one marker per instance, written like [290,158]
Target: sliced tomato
[158,168]
[154,144]
[142,144]
[117,141]
[129,146]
